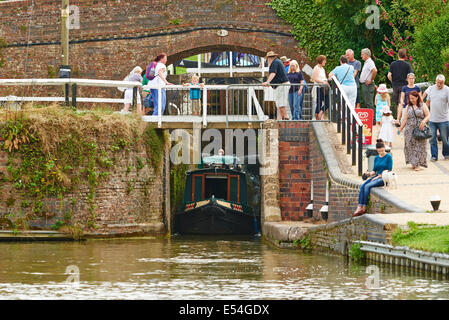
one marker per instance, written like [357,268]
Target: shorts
[397,95]
[196,107]
[129,96]
[281,95]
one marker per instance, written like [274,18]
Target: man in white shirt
[367,76]
[438,101]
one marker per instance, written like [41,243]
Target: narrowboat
[219,199]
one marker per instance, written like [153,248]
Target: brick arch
[257,42]
[116,35]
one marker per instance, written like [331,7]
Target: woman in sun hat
[386,131]
[382,100]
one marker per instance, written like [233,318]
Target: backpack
[151,71]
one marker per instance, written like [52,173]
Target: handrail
[63,81]
[348,123]
[348,103]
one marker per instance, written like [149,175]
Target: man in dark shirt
[397,74]
[277,75]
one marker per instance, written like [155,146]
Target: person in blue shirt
[345,75]
[195,94]
[382,162]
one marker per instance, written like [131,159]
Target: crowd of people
[418,116]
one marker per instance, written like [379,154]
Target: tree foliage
[330,27]
[432,47]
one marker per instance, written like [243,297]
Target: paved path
[414,187]
[439,219]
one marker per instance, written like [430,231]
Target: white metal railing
[432,258]
[219,103]
[348,123]
[347,101]
[59,82]
[66,82]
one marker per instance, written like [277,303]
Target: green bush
[356,253]
[432,47]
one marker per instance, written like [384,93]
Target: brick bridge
[116,35]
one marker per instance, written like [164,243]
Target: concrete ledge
[285,232]
[338,177]
[34,235]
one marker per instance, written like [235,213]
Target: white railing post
[262,66]
[230,63]
[259,111]
[159,107]
[204,106]
[249,100]
[199,65]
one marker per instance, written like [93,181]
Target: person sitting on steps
[382,162]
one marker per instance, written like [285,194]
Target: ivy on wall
[52,151]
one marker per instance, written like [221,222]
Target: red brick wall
[253,28]
[294,169]
[300,160]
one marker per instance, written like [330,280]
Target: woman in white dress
[387,131]
[320,93]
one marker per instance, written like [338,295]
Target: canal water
[196,268]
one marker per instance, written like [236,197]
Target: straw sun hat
[386,110]
[271,54]
[382,88]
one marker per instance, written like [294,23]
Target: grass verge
[423,237]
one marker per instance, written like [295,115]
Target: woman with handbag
[416,131]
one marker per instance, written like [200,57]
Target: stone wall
[336,236]
[114,36]
[131,199]
[269,177]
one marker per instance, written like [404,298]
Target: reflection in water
[195,268]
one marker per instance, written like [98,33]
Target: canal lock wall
[305,153]
[114,187]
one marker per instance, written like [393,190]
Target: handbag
[421,134]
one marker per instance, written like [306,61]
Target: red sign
[366,116]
